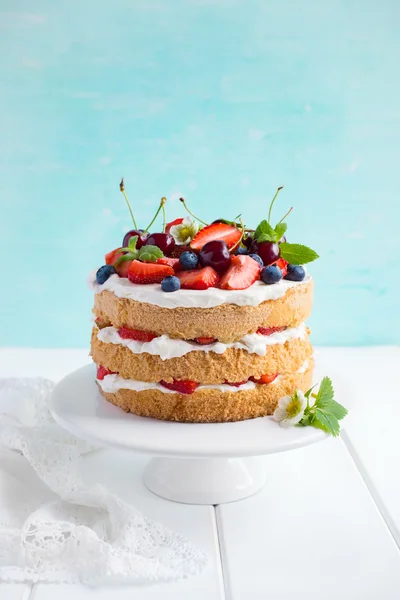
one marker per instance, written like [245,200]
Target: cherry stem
[163,201]
[240,239]
[287,214]
[164,214]
[122,189]
[190,212]
[272,203]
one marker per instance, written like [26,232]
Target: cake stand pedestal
[194,463]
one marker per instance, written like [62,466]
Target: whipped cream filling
[153,294]
[167,348]
[112,383]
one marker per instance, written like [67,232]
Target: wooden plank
[313,532]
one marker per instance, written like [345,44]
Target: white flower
[184,232]
[290,409]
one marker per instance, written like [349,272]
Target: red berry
[123,268]
[140,272]
[172,262]
[268,251]
[216,231]
[242,273]
[198,279]
[136,334]
[142,237]
[102,372]
[203,341]
[236,384]
[215,254]
[164,241]
[112,256]
[269,330]
[183,386]
[265,378]
[176,222]
[247,242]
[178,250]
[282,264]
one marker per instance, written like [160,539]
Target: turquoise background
[216,100]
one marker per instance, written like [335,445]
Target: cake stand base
[205,480]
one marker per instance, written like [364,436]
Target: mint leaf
[297,254]
[327,422]
[280,230]
[265,233]
[132,243]
[150,253]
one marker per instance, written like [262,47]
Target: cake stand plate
[194,463]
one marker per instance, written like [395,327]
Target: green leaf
[327,422]
[325,400]
[280,230]
[150,253]
[308,392]
[265,233]
[124,258]
[297,254]
[132,243]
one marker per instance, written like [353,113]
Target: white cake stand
[194,463]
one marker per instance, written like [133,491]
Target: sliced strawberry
[102,372]
[140,272]
[269,330]
[216,231]
[178,250]
[172,262]
[123,268]
[198,279]
[265,378]
[242,273]
[101,323]
[236,383]
[203,341]
[136,334]
[112,256]
[183,386]
[169,225]
[282,264]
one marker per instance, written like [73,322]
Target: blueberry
[271,274]
[170,283]
[295,273]
[188,260]
[104,273]
[258,259]
[241,250]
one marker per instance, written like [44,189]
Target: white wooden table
[327,526]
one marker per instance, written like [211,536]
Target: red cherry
[215,254]
[247,242]
[142,237]
[268,251]
[164,241]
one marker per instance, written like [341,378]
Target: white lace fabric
[56,528]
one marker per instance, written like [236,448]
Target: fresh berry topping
[183,386]
[104,273]
[265,378]
[271,274]
[241,250]
[204,341]
[102,372]
[283,239]
[295,273]
[258,259]
[164,241]
[269,330]
[170,284]
[176,222]
[123,268]
[112,256]
[198,279]
[172,262]
[215,254]
[269,251]
[282,264]
[140,272]
[216,231]
[247,241]
[189,260]
[141,235]
[236,383]
[242,273]
[136,334]
[101,323]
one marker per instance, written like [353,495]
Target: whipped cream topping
[112,383]
[167,348]
[152,293]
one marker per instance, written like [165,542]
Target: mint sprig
[297,254]
[325,413]
[145,253]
